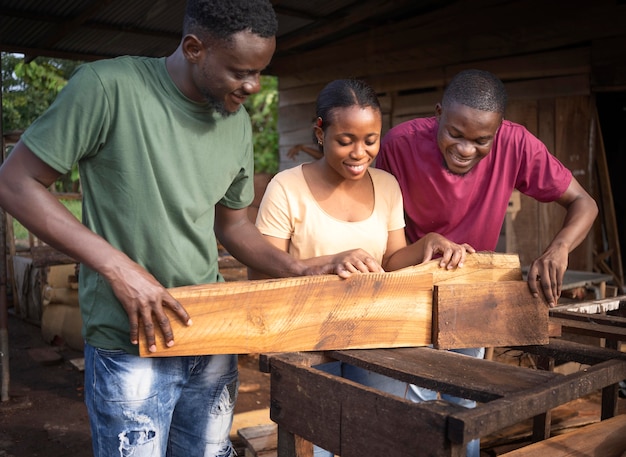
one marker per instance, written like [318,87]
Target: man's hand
[548,271]
[144,298]
[452,254]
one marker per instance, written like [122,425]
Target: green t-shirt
[153,164]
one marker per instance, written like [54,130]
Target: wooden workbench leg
[609,401]
[541,427]
[543,422]
[290,445]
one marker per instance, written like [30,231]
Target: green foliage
[263,110]
[29,88]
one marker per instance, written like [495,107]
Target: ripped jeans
[161,406]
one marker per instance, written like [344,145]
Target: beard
[447,169]
[216,104]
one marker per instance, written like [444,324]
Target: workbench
[351,420]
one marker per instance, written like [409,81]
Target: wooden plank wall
[549,93]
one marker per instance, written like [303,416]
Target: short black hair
[343,93]
[477,89]
[223,18]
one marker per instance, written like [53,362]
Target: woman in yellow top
[337,206]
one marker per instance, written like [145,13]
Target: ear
[319,134]
[192,48]
[438,110]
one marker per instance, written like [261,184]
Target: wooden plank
[323,312]
[522,405]
[479,267]
[302,314]
[482,380]
[591,328]
[260,440]
[488,314]
[568,351]
[604,438]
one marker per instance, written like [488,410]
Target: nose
[465,148]
[252,85]
[360,149]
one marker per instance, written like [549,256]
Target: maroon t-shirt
[468,208]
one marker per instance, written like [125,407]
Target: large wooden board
[488,314]
[320,312]
[303,314]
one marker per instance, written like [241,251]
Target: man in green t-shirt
[165,157]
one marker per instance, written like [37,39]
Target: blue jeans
[162,406]
[401,389]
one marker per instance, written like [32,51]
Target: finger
[349,266]
[532,281]
[446,258]
[166,328]
[546,287]
[148,328]
[456,259]
[134,329]
[342,272]
[462,256]
[178,309]
[554,284]
[373,266]
[469,248]
[532,285]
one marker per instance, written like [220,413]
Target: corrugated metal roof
[86,30]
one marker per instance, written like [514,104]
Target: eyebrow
[484,137]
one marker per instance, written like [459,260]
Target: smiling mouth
[460,159]
[239,98]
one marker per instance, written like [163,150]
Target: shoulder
[408,132]
[385,181]
[382,177]
[123,72]
[289,177]
[123,63]
[512,136]
[412,127]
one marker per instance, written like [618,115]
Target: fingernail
[189,322]
[170,343]
[152,348]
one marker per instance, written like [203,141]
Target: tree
[263,110]
[29,88]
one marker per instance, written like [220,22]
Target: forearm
[244,242]
[412,254]
[581,214]
[29,201]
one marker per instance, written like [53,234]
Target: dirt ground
[46,416]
